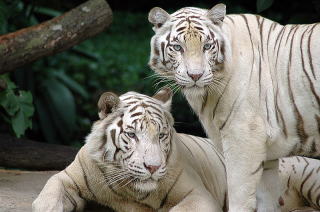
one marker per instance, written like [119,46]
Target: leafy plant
[18,107]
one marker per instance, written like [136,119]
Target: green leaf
[72,84]
[10,84]
[25,100]
[9,101]
[21,120]
[20,123]
[263,5]
[47,11]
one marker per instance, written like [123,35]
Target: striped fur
[254,85]
[300,176]
[195,179]
[111,168]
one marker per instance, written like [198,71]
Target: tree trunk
[31,155]
[53,36]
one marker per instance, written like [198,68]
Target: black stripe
[164,200]
[136,114]
[181,28]
[261,33]
[288,182]
[253,52]
[74,183]
[103,143]
[285,132]
[229,115]
[218,101]
[187,148]
[300,123]
[304,70]
[309,191]
[219,154]
[258,169]
[305,166]
[69,197]
[309,51]
[133,108]
[86,180]
[283,30]
[200,147]
[230,19]
[204,102]
[304,181]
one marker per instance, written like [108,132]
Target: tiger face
[188,46]
[136,138]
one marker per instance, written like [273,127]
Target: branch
[31,155]
[53,36]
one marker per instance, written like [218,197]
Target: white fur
[263,96]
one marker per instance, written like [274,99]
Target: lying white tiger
[254,85]
[133,160]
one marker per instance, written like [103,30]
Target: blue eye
[177,47]
[161,135]
[131,135]
[207,46]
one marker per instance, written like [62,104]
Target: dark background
[65,87]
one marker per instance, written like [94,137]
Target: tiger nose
[195,77]
[152,169]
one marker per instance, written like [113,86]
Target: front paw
[43,206]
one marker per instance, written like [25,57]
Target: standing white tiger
[254,85]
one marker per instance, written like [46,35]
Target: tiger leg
[58,195]
[197,201]
[270,188]
[244,146]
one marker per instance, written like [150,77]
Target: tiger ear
[158,17]
[108,103]
[217,13]
[165,97]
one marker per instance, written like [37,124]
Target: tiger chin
[133,160]
[254,85]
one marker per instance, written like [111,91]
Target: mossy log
[53,36]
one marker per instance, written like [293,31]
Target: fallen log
[31,155]
[53,36]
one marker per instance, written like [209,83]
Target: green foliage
[65,87]
[263,5]
[18,107]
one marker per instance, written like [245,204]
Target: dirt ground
[18,189]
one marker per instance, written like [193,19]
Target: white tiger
[133,160]
[254,85]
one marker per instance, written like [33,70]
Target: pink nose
[151,169]
[195,77]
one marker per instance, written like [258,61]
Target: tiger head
[132,140]
[188,46]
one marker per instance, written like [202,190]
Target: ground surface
[18,189]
